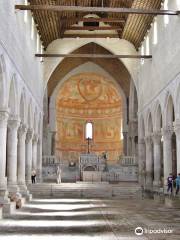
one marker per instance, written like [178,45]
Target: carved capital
[35,139]
[167,132]
[22,130]
[157,137]
[148,140]
[29,135]
[13,124]
[4,115]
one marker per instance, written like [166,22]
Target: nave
[90,219]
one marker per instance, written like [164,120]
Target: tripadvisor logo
[139,231]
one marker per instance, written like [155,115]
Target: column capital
[4,115]
[157,137]
[141,141]
[22,130]
[148,139]
[13,123]
[35,138]
[29,134]
[167,132]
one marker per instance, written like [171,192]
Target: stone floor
[91,219]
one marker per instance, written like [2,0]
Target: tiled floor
[91,219]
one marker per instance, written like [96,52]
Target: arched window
[89,130]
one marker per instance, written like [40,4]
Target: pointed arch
[12,102]
[3,80]
[149,128]
[30,115]
[22,107]
[158,117]
[169,116]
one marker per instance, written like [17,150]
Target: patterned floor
[93,219]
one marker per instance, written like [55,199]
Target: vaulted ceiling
[132,27]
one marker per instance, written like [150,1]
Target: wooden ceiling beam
[60,8]
[92,28]
[90,19]
[79,35]
[107,56]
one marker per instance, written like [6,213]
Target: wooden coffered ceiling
[132,27]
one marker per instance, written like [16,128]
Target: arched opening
[2,82]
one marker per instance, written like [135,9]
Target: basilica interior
[89,119]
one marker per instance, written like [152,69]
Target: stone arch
[12,102]
[30,115]
[22,107]
[149,123]
[158,118]
[3,80]
[169,117]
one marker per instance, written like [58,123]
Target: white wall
[18,49]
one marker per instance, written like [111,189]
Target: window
[147,46]
[89,130]
[32,28]
[142,53]
[155,33]
[25,12]
[166,17]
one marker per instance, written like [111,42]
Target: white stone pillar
[149,163]
[21,161]
[142,161]
[34,152]
[167,152]
[157,159]
[29,137]
[177,131]
[12,140]
[3,140]
[39,161]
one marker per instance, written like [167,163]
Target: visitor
[58,175]
[170,183]
[33,177]
[177,183]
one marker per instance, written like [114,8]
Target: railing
[49,160]
[128,160]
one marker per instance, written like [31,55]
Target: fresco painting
[88,97]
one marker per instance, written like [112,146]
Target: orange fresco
[88,97]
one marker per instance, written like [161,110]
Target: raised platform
[86,190]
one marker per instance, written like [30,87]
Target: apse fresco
[88,97]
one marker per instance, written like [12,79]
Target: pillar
[157,159]
[34,152]
[177,132]
[12,141]
[39,160]
[29,137]
[125,143]
[21,161]
[167,152]
[3,138]
[142,160]
[149,163]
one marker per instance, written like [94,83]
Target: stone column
[142,160]
[125,144]
[21,157]
[12,141]
[177,131]
[29,137]
[149,163]
[167,152]
[39,161]
[3,139]
[34,151]
[157,159]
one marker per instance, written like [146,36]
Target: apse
[88,98]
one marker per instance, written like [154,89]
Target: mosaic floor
[92,219]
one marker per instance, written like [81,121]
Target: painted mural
[88,97]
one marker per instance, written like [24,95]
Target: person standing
[170,183]
[33,177]
[177,184]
